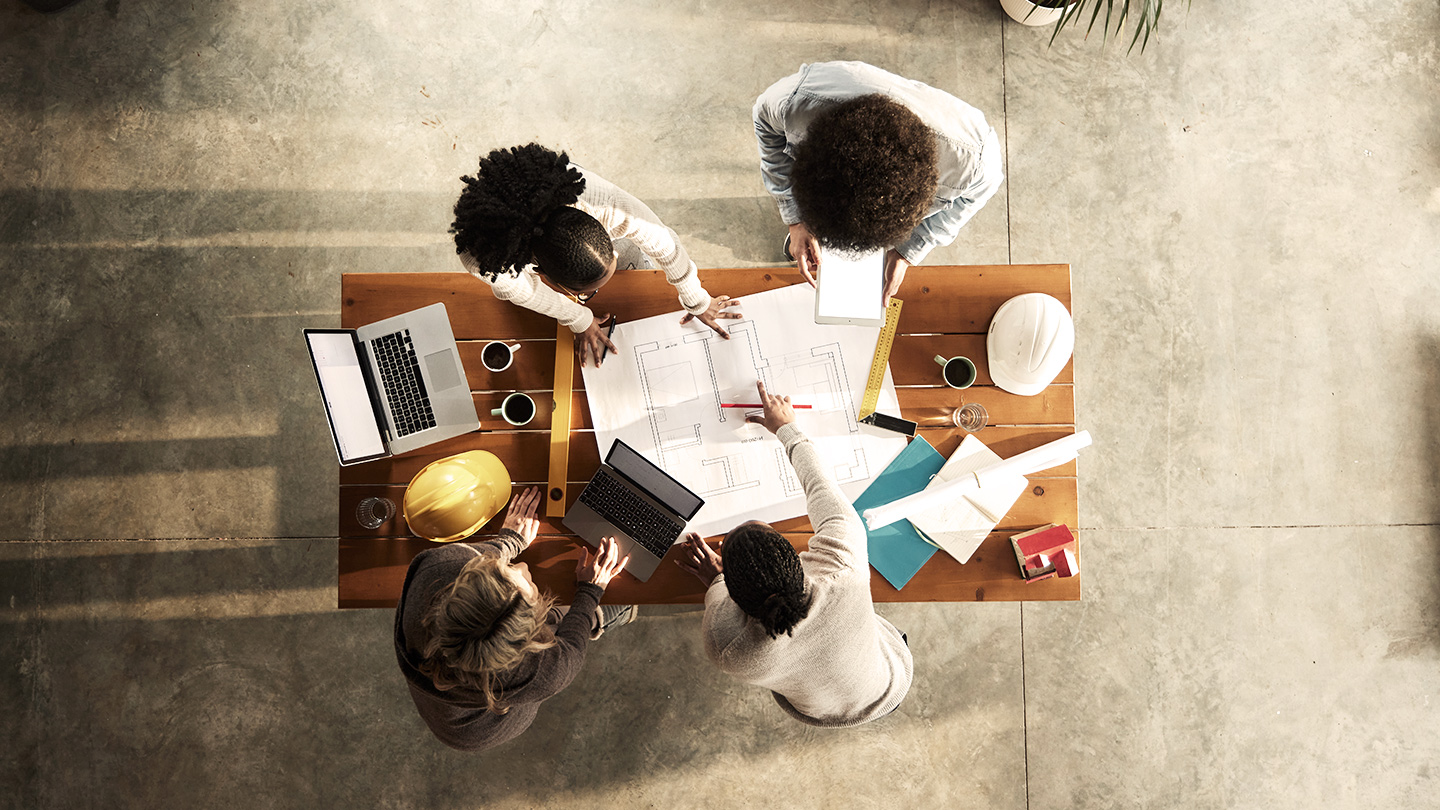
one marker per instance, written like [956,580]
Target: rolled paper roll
[1052,454]
[883,515]
[1029,462]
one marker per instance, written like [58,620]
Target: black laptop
[638,504]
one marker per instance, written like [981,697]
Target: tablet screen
[850,286]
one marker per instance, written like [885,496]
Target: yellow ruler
[881,360]
[560,421]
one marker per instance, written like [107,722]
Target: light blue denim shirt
[966,146]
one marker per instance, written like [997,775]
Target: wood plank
[964,299]
[372,572]
[932,407]
[487,401]
[476,314]
[912,360]
[1040,504]
[526,452]
[532,370]
[937,299]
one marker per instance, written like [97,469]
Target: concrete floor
[1252,211]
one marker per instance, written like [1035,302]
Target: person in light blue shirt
[859,159]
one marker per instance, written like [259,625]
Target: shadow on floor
[310,710]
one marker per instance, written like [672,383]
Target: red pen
[748,405]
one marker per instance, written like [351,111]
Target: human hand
[718,309]
[699,559]
[520,515]
[777,410]
[603,567]
[806,250]
[895,267]
[593,341]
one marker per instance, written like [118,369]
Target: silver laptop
[638,504]
[392,386]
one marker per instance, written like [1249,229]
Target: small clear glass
[970,416]
[373,512]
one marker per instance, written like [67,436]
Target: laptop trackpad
[441,366]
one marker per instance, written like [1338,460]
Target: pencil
[748,405]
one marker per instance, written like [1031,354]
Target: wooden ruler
[560,421]
[881,359]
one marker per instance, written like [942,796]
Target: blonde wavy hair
[481,626]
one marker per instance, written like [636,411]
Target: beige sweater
[843,665]
[624,217]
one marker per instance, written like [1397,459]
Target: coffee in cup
[498,355]
[958,372]
[517,409]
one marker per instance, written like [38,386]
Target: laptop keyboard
[404,387]
[644,523]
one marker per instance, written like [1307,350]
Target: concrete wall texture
[1251,208]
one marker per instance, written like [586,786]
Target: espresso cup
[959,372]
[517,409]
[498,355]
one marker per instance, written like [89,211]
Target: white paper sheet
[1029,462]
[959,525]
[661,392]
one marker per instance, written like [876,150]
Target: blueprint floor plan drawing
[661,394]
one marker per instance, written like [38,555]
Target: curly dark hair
[865,174]
[516,210]
[764,577]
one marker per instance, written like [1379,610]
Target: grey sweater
[843,665]
[458,716]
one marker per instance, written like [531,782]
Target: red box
[1055,542]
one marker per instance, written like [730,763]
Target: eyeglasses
[581,298]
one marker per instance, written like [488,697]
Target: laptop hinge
[372,388]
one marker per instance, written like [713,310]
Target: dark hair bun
[504,207]
[780,613]
[764,577]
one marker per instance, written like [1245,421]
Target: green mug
[958,372]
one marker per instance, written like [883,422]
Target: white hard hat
[1031,338]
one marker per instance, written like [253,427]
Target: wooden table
[947,311]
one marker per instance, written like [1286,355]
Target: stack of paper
[959,526]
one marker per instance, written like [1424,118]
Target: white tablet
[849,289]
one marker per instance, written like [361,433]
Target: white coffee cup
[498,355]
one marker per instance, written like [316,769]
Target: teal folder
[897,551]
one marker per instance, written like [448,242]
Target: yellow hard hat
[452,498]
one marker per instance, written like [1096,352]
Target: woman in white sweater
[529,212]
[802,625]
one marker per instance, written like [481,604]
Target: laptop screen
[655,481]
[347,401]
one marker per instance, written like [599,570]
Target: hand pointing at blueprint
[662,394]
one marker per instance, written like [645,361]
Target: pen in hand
[604,350]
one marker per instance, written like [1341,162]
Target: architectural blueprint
[661,394]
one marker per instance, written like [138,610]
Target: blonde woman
[481,646]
